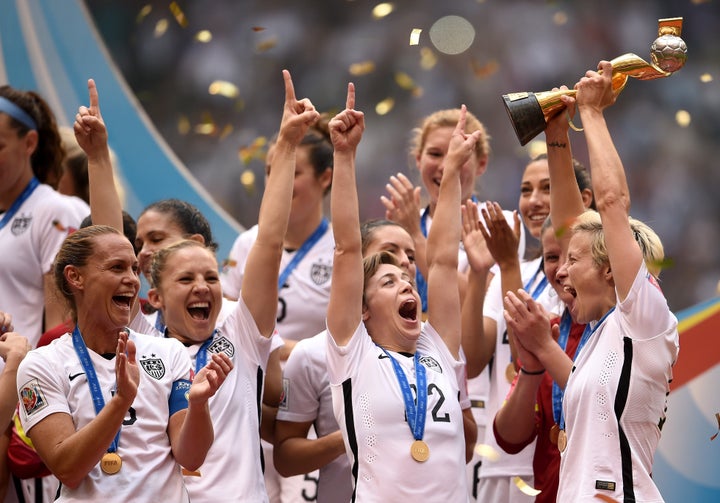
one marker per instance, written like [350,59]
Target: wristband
[533,372]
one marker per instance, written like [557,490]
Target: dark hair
[129,227]
[160,257]
[47,158]
[76,250]
[187,217]
[368,228]
[582,176]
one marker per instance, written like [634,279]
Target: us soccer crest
[431,363]
[20,224]
[154,367]
[320,273]
[222,345]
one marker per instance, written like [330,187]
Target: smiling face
[534,203]
[590,285]
[155,230]
[430,163]
[396,240]
[188,292]
[553,258]
[107,285]
[391,309]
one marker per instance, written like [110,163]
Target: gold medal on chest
[110,463]
[419,451]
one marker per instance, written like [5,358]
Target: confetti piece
[255,150]
[717,414]
[143,14]
[605,498]
[247,179]
[362,68]
[428,60]
[415,36]
[560,18]
[183,125]
[705,78]
[525,487]
[682,117]
[58,225]
[224,88]
[487,452]
[486,70]
[266,45]
[258,28]
[226,131]
[384,106]
[203,36]
[383,9]
[160,28]
[405,81]
[665,263]
[178,14]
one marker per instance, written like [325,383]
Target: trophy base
[526,115]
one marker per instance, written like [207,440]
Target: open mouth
[570,290]
[123,300]
[408,310]
[199,311]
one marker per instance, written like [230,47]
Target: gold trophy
[529,112]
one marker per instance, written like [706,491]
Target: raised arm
[612,195]
[444,240]
[263,264]
[91,135]
[346,289]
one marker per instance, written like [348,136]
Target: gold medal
[554,432]
[562,440]
[510,372]
[419,451]
[110,463]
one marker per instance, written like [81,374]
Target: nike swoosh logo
[380,357]
[73,376]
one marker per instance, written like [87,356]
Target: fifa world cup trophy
[529,112]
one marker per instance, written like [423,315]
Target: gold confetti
[178,14]
[224,88]
[717,414]
[256,150]
[487,452]
[486,70]
[58,225]
[705,78]
[183,125]
[405,81]
[143,13]
[207,126]
[203,36]
[160,28]
[266,44]
[560,18]
[383,9]
[682,117]
[415,36]
[525,487]
[428,60]
[247,179]
[362,68]
[605,497]
[384,106]
[665,263]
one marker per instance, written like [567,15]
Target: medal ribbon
[201,358]
[302,251]
[415,414]
[583,340]
[15,206]
[95,391]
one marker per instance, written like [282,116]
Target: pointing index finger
[94,98]
[289,89]
[350,101]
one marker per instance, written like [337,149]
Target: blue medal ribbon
[201,357]
[415,414]
[302,251]
[583,340]
[95,391]
[15,206]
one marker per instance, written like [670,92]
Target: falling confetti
[383,9]
[178,14]
[256,150]
[160,28]
[258,28]
[705,78]
[487,452]
[183,125]
[415,36]
[266,44]
[560,18]
[486,70]
[362,68]
[605,498]
[428,60]
[203,36]
[525,487]
[224,88]
[682,117]
[247,179]
[143,13]
[384,106]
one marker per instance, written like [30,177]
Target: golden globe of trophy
[529,112]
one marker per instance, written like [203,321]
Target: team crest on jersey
[32,397]
[20,224]
[154,367]
[320,273]
[431,363]
[653,281]
[222,345]
[284,395]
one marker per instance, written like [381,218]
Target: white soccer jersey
[307,397]
[509,465]
[303,300]
[28,245]
[369,407]
[232,469]
[52,380]
[615,399]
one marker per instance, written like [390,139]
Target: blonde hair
[647,239]
[449,118]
